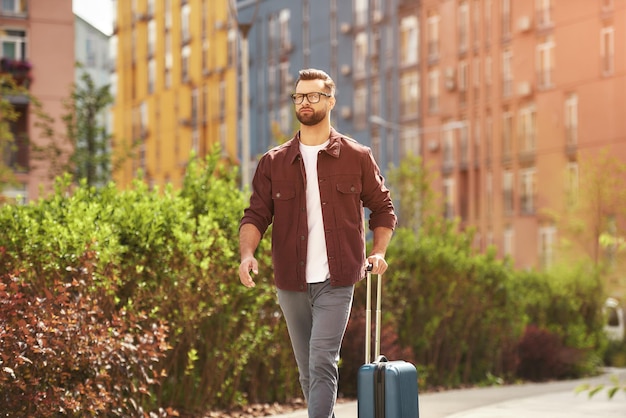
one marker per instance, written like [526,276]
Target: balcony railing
[20,70]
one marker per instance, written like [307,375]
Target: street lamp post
[244,30]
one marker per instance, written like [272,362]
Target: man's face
[313,113]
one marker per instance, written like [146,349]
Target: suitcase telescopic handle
[368,315]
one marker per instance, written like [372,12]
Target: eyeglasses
[313,97]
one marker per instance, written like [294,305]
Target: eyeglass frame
[303,95]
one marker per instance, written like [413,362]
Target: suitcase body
[385,389]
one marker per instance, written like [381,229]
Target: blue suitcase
[385,389]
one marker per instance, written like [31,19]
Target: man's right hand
[248,264]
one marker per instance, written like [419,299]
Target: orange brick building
[37,35]
[517,94]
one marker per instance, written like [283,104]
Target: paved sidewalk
[536,400]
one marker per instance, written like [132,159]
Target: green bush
[456,310]
[174,256]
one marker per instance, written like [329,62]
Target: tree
[597,211]
[91,158]
[8,115]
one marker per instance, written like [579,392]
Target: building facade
[37,38]
[175,86]
[370,49]
[502,99]
[524,91]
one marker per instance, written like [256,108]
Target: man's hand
[379,265]
[248,264]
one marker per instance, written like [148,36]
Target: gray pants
[316,320]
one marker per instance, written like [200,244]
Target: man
[313,188]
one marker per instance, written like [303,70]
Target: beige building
[517,94]
[37,38]
[175,86]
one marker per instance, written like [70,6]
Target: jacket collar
[333,149]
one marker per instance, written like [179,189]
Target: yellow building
[175,86]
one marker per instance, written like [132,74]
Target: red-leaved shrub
[62,355]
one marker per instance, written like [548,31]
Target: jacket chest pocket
[284,196]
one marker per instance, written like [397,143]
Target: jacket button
[301,237]
[278,194]
[352,189]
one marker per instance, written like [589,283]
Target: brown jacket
[349,179]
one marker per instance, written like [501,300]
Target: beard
[310,119]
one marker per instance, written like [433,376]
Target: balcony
[18,69]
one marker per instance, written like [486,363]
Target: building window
[463,70]
[487,25]
[463,27]
[448,195]
[488,138]
[488,75]
[185,31]
[527,192]
[409,38]
[184,67]
[507,135]
[476,78]
[507,190]
[571,186]
[360,54]
[448,148]
[545,62]
[527,129]
[544,13]
[433,91]
[506,19]
[433,37]
[409,95]
[285,36]
[571,120]
[375,98]
[476,24]
[360,12]
[464,143]
[508,241]
[14,7]
[607,50]
[489,193]
[360,105]
[167,18]
[168,60]
[547,240]
[151,37]
[151,75]
[13,44]
[410,139]
[507,73]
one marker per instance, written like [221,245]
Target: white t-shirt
[317,259]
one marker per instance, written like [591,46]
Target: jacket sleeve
[260,211]
[376,196]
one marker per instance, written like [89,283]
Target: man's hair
[315,74]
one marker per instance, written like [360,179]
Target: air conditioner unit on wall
[524,23]
[524,88]
[345,28]
[449,78]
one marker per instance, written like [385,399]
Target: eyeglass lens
[313,97]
